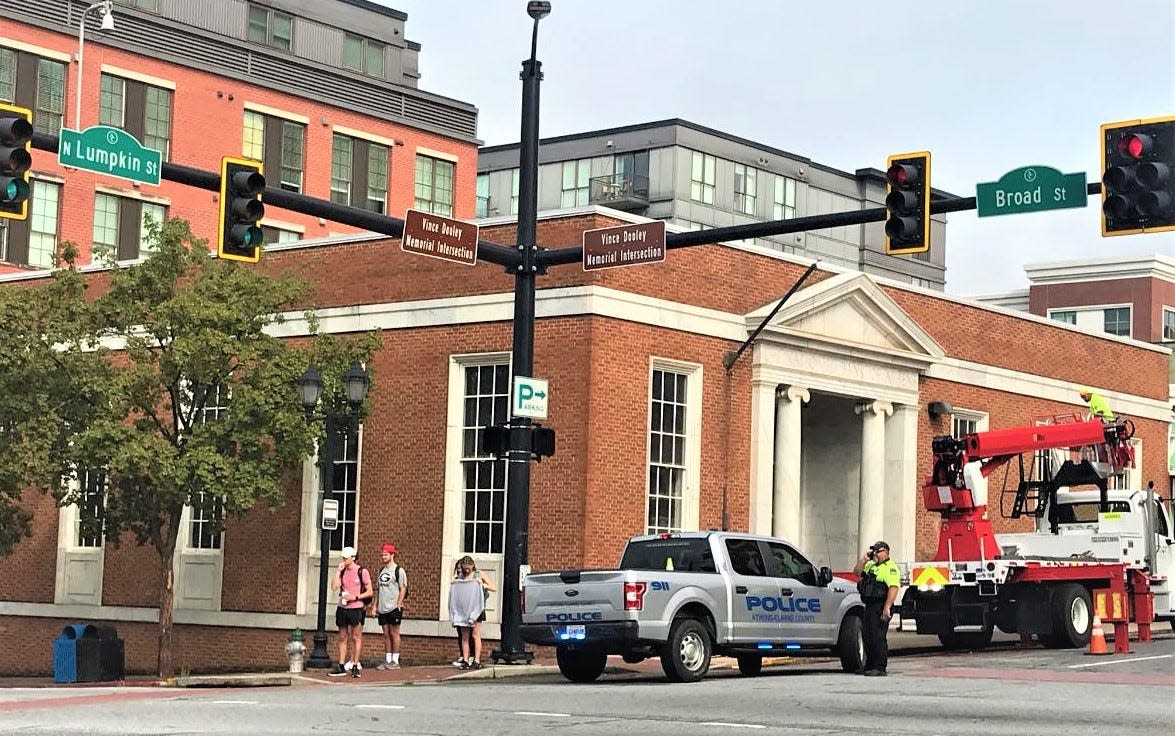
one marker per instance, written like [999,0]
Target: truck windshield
[1086,513]
[691,554]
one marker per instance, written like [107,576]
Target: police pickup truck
[684,597]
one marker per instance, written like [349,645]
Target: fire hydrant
[295,650]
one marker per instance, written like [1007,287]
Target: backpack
[396,577]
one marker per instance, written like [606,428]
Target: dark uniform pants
[876,646]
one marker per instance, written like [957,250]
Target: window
[7,74]
[483,196]
[1117,321]
[575,183]
[676,553]
[121,226]
[148,5]
[36,83]
[961,425]
[50,105]
[279,144]
[745,557]
[4,240]
[486,402]
[1067,316]
[514,174]
[784,199]
[270,234]
[43,217]
[270,27]
[701,187]
[1168,324]
[744,188]
[434,185]
[667,441]
[91,508]
[345,484]
[364,55]
[355,159]
[206,519]
[791,564]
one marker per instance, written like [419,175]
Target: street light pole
[522,358]
[107,7]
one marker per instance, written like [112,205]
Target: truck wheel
[750,664]
[686,656]
[581,665]
[850,644]
[965,639]
[1072,620]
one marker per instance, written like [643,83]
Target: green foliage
[171,382]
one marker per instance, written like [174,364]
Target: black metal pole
[319,657]
[522,358]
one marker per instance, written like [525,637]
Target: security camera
[538,9]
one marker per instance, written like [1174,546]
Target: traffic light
[241,184]
[907,229]
[16,135]
[1138,188]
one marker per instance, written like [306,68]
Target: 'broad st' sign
[1030,189]
[110,151]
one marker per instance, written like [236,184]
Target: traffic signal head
[907,226]
[241,185]
[16,135]
[1138,186]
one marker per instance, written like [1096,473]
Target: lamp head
[310,389]
[538,9]
[107,17]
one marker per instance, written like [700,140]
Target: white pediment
[848,311]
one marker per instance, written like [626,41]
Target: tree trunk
[166,659]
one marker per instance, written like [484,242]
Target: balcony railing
[623,191]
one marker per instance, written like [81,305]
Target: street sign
[1030,189]
[330,514]
[110,151]
[530,398]
[625,245]
[439,237]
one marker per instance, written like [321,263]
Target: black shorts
[482,617]
[392,617]
[345,617]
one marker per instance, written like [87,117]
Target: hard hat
[1084,390]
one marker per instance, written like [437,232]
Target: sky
[986,87]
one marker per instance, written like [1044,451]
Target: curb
[277,679]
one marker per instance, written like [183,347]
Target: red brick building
[820,432]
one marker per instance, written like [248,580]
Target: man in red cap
[392,586]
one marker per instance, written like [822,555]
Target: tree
[169,385]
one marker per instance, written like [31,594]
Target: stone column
[785,519]
[902,489]
[871,510]
[762,454]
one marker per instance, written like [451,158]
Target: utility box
[88,653]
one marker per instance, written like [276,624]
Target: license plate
[573,633]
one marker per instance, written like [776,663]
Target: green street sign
[1030,189]
[110,151]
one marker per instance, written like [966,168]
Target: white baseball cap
[347,552]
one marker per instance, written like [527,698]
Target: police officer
[878,587]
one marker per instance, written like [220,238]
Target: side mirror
[824,577]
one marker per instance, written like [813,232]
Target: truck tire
[750,665]
[850,644]
[581,665]
[1072,617]
[686,656]
[974,640]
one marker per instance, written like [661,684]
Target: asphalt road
[1004,691]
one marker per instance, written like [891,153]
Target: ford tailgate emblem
[571,593]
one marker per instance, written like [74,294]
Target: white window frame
[746,187]
[1167,328]
[689,516]
[1092,317]
[703,168]
[979,419]
[783,204]
[579,194]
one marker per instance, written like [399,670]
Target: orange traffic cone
[1097,638]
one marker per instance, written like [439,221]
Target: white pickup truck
[684,597]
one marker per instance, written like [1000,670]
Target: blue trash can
[87,653]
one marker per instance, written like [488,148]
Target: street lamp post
[355,382]
[107,7]
[522,358]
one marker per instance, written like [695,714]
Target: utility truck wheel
[966,639]
[686,656]
[581,665]
[1072,620]
[750,664]
[850,644]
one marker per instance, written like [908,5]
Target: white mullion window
[576,175]
[674,436]
[486,402]
[702,177]
[745,186]
[784,204]
[91,506]
[344,480]
[207,509]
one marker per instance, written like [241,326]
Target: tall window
[745,187]
[7,74]
[50,96]
[486,402]
[514,174]
[143,110]
[91,508]
[434,185]
[364,55]
[345,484]
[359,173]
[667,442]
[702,177]
[483,196]
[36,83]
[279,144]
[43,216]
[270,27]
[576,175]
[1117,321]
[1168,324]
[121,225]
[783,206]
[207,509]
